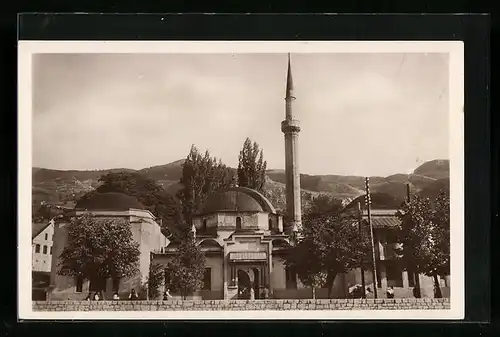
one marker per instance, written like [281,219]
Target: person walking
[133,295]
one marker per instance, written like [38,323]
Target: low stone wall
[199,305]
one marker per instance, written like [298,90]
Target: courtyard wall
[211,305]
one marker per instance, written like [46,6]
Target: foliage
[184,273]
[251,166]
[98,249]
[425,235]
[324,204]
[155,279]
[147,192]
[331,244]
[201,176]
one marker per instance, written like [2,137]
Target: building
[243,238]
[41,257]
[391,272]
[145,231]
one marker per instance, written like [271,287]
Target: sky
[360,114]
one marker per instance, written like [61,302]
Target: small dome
[109,201]
[237,199]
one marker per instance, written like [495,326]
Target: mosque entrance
[244,285]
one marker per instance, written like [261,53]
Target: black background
[481,158]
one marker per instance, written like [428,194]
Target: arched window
[37,248]
[204,225]
[270,224]
[45,249]
[238,223]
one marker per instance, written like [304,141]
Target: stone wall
[309,304]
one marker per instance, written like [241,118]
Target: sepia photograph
[246,180]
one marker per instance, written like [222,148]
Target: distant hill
[59,187]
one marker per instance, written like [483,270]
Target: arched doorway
[244,285]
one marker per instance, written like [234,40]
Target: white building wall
[42,260]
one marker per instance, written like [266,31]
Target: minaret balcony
[290,126]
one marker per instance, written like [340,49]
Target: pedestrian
[252,294]
[133,295]
[390,292]
[96,296]
[167,295]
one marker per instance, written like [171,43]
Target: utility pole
[368,207]
[360,221]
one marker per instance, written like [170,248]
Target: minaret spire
[289,80]
[291,128]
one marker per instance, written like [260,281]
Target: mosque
[238,229]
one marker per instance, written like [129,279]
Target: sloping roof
[237,199]
[38,227]
[385,222]
[109,201]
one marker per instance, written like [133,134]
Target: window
[270,224]
[45,249]
[238,223]
[37,248]
[291,278]
[46,236]
[50,250]
[79,284]
[207,279]
[204,225]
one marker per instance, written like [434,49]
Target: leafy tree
[201,176]
[147,191]
[251,166]
[324,204]
[98,249]
[184,273]
[425,236]
[330,244]
[155,279]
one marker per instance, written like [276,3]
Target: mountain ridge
[60,186]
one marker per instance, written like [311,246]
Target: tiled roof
[38,227]
[385,222]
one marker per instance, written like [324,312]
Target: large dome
[109,201]
[237,199]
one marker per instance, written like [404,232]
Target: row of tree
[332,242]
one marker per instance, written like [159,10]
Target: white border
[455,51]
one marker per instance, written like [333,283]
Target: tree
[251,166]
[184,273]
[324,204]
[201,176]
[155,279]
[99,249]
[425,237]
[330,245]
[147,191]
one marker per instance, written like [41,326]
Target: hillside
[59,187]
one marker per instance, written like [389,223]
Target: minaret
[291,128]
